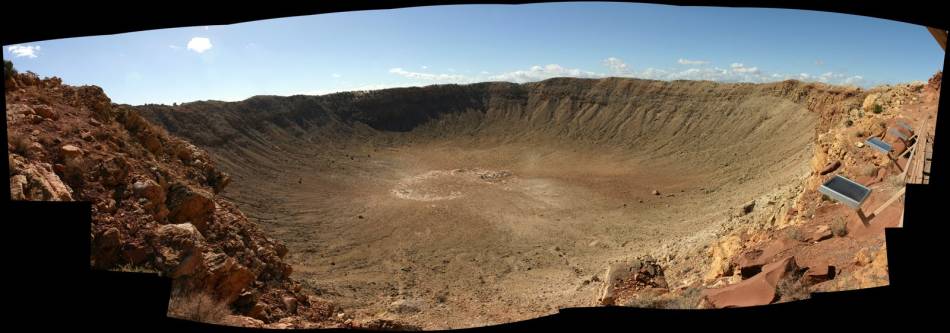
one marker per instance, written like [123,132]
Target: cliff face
[647,118]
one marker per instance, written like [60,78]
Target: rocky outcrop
[36,181]
[154,201]
[757,290]
[630,277]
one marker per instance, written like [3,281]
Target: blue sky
[420,46]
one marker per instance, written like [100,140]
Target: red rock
[45,111]
[70,152]
[105,248]
[830,168]
[758,290]
[187,204]
[290,304]
[750,263]
[819,273]
[823,232]
[226,278]
[179,247]
[150,190]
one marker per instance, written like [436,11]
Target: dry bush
[877,109]
[839,227]
[688,299]
[21,143]
[198,307]
[795,233]
[135,269]
[74,173]
[792,289]
[895,181]
[867,170]
[644,301]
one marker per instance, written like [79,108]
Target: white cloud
[736,72]
[199,44]
[335,75]
[428,76]
[856,79]
[29,51]
[174,47]
[682,61]
[616,65]
[741,68]
[538,73]
[424,67]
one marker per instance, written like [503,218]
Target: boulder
[70,152]
[722,254]
[187,204]
[148,189]
[819,273]
[225,278]
[758,290]
[750,263]
[114,171]
[747,208]
[106,246]
[821,233]
[634,275]
[179,249]
[290,304]
[38,183]
[45,111]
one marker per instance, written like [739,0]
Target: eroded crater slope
[470,205]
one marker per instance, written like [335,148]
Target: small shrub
[877,109]
[795,233]
[74,172]
[895,181]
[867,170]
[859,134]
[8,70]
[198,307]
[135,269]
[21,144]
[792,289]
[689,299]
[644,301]
[839,227]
